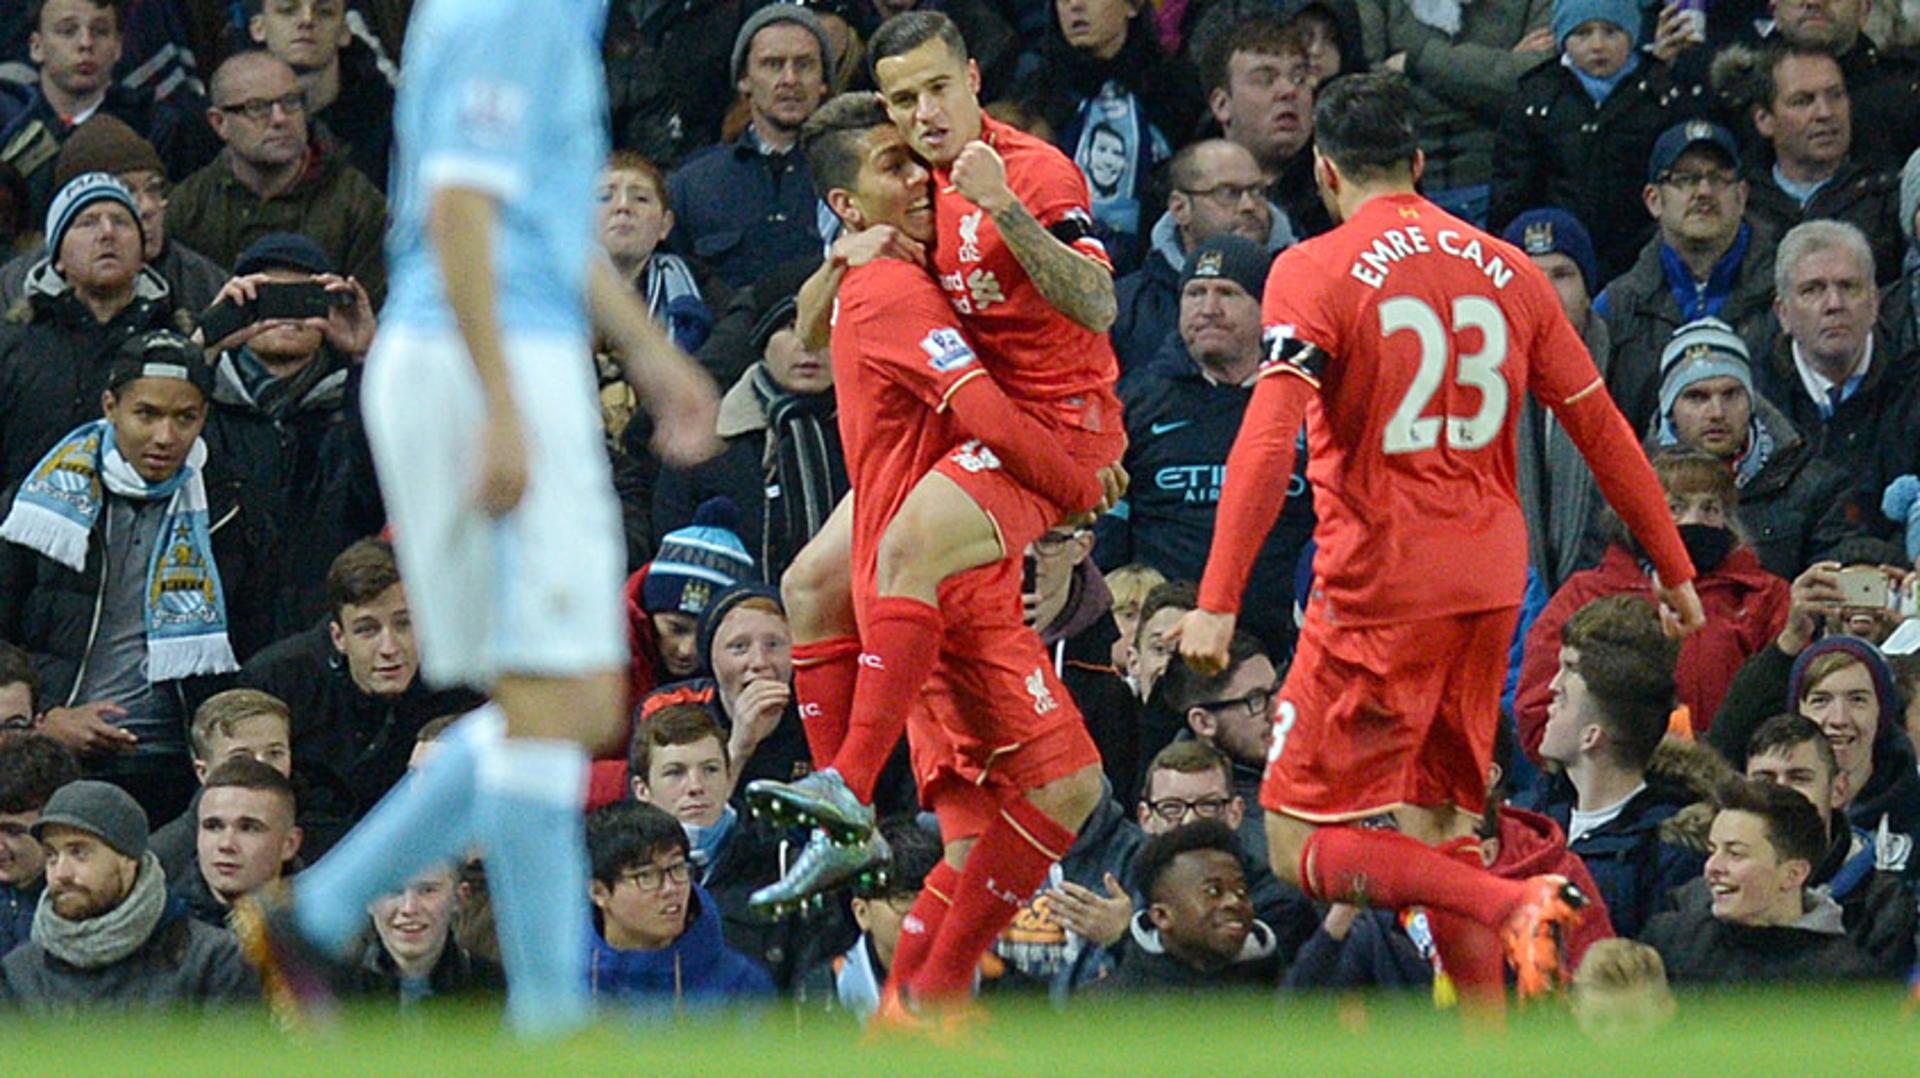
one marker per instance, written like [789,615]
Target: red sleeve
[1260,464]
[906,332]
[1032,455]
[1564,379]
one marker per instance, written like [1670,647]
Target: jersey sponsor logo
[969,250]
[492,113]
[1037,687]
[946,350]
[976,457]
[1159,428]
[1199,484]
[972,291]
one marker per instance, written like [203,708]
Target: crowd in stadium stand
[1728,206]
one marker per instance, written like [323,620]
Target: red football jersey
[1424,333]
[898,354]
[1035,352]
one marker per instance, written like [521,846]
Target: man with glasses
[657,940]
[1260,91]
[1217,190]
[272,177]
[1705,260]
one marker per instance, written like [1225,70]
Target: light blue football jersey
[507,97]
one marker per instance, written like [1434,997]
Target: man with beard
[104,933]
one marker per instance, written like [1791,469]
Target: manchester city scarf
[186,610]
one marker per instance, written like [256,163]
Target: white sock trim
[549,771]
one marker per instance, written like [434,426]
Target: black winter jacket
[1555,147]
[182,962]
[349,748]
[1868,199]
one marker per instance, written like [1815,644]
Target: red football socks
[823,678]
[922,923]
[902,645]
[1005,868]
[1391,870]
[1474,960]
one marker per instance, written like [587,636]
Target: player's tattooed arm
[1079,287]
[1076,285]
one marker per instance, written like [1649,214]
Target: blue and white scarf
[186,609]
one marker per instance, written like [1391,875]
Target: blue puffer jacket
[697,969]
[1634,863]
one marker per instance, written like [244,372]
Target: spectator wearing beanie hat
[1575,133]
[88,292]
[105,933]
[1793,505]
[690,567]
[1557,491]
[105,144]
[782,465]
[746,206]
[1182,412]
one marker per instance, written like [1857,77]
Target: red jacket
[608,779]
[1746,608]
[1534,845]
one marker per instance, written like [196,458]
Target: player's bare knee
[1068,801]
[1286,839]
[957,852]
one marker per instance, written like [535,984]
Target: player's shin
[824,675]
[1389,870]
[1003,871]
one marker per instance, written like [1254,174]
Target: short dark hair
[1182,594]
[675,724]
[1183,687]
[1187,758]
[32,766]
[360,574]
[1627,663]
[16,668]
[1160,851]
[1793,824]
[248,773]
[909,30]
[1868,550]
[1784,733]
[1364,124]
[1765,85]
[37,8]
[627,834]
[1261,34]
[834,139]
[914,853]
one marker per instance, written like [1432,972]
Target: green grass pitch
[1785,1031]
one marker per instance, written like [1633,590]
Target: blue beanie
[1569,15]
[79,193]
[1556,232]
[697,562]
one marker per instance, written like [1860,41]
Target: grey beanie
[1910,197]
[102,810]
[774,13]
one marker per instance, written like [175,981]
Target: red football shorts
[1373,717]
[995,719]
[1089,428]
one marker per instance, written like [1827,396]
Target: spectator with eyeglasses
[1067,602]
[1232,712]
[1217,190]
[1704,260]
[657,944]
[852,981]
[275,176]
